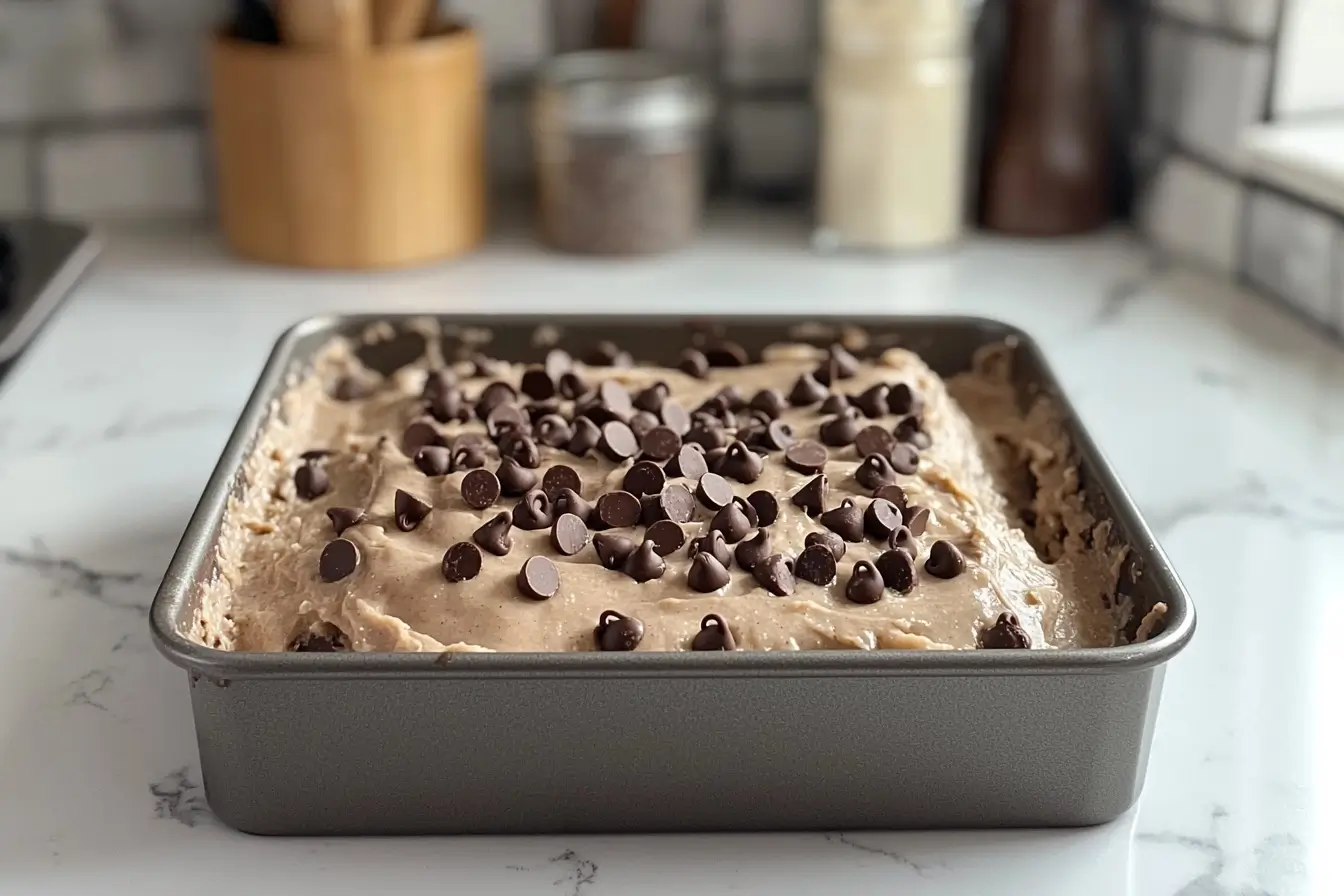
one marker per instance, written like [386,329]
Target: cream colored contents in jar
[269,595]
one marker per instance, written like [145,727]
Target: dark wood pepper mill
[1048,168]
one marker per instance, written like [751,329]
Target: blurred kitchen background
[1215,126]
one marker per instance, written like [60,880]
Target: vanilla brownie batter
[803,500]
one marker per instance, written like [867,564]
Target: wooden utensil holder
[350,160]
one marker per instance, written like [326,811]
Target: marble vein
[1250,494]
[67,575]
[87,690]
[900,859]
[177,796]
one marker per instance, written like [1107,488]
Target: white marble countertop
[1223,416]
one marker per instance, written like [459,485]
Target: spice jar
[618,137]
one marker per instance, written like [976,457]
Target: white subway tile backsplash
[183,19]
[508,143]
[14,191]
[574,22]
[1338,310]
[682,28]
[768,42]
[1290,252]
[772,142]
[125,173]
[1198,12]
[517,34]
[1224,93]
[1165,63]
[1194,213]
[1308,77]
[52,29]
[1255,19]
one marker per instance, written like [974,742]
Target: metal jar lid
[619,91]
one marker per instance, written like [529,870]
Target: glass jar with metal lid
[619,138]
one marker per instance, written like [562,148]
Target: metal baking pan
[309,743]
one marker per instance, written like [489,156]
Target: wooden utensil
[399,21]
[344,25]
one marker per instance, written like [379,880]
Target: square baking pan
[351,743]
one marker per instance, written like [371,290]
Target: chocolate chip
[775,574]
[829,540]
[567,500]
[644,478]
[538,410]
[752,550]
[311,481]
[521,448]
[533,512]
[714,633]
[874,440]
[904,459]
[339,559]
[676,503]
[667,537]
[438,382]
[688,464]
[507,418]
[538,579]
[434,460]
[771,401]
[343,518]
[480,489]
[469,456]
[713,543]
[806,390]
[418,435]
[766,506]
[660,444]
[882,518]
[572,385]
[897,569]
[652,397]
[616,631]
[675,418]
[492,396]
[806,456]
[607,354]
[514,478]
[1005,634]
[812,496]
[494,535]
[732,522]
[864,585]
[615,397]
[706,573]
[916,518]
[553,431]
[315,454]
[644,564]
[841,429]
[893,493]
[461,562]
[537,384]
[617,510]
[904,539]
[585,438]
[778,436]
[945,561]
[484,365]
[872,401]
[641,422]
[617,441]
[741,463]
[815,564]
[714,491]
[840,364]
[747,510]
[408,510]
[874,472]
[557,363]
[845,521]
[612,550]
[558,477]
[835,403]
[351,388]
[707,437]
[901,399]
[329,640]
[568,534]
[910,432]
[448,406]
[726,354]
[694,363]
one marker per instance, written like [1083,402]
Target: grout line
[1218,31]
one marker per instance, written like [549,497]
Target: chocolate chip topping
[569,534]
[533,512]
[640,423]
[645,563]
[714,633]
[747,510]
[571,386]
[329,640]
[812,496]
[714,491]
[480,489]
[775,574]
[815,564]
[766,506]
[910,432]
[753,550]
[893,493]
[902,400]
[667,537]
[945,561]
[339,558]
[493,536]
[343,518]
[468,456]
[771,401]
[840,430]
[448,406]
[741,463]
[493,396]
[617,441]
[727,353]
[845,521]
[835,403]
[521,448]
[461,562]
[676,503]
[874,440]
[537,384]
[660,444]
[904,459]
[652,397]
[538,579]
[829,540]
[916,518]
[841,364]
[897,569]
[872,401]
[612,550]
[434,460]
[688,464]
[351,388]
[881,518]
[315,454]
[806,390]
[514,478]
[675,418]
[864,585]
[484,365]
[644,478]
[707,437]
[566,500]
[806,456]
[694,363]
[409,510]
[585,438]
[732,522]
[553,431]
[713,543]
[507,418]
[616,631]
[616,510]
[560,477]
[1005,634]
[874,472]
[706,573]
[777,436]
[311,481]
